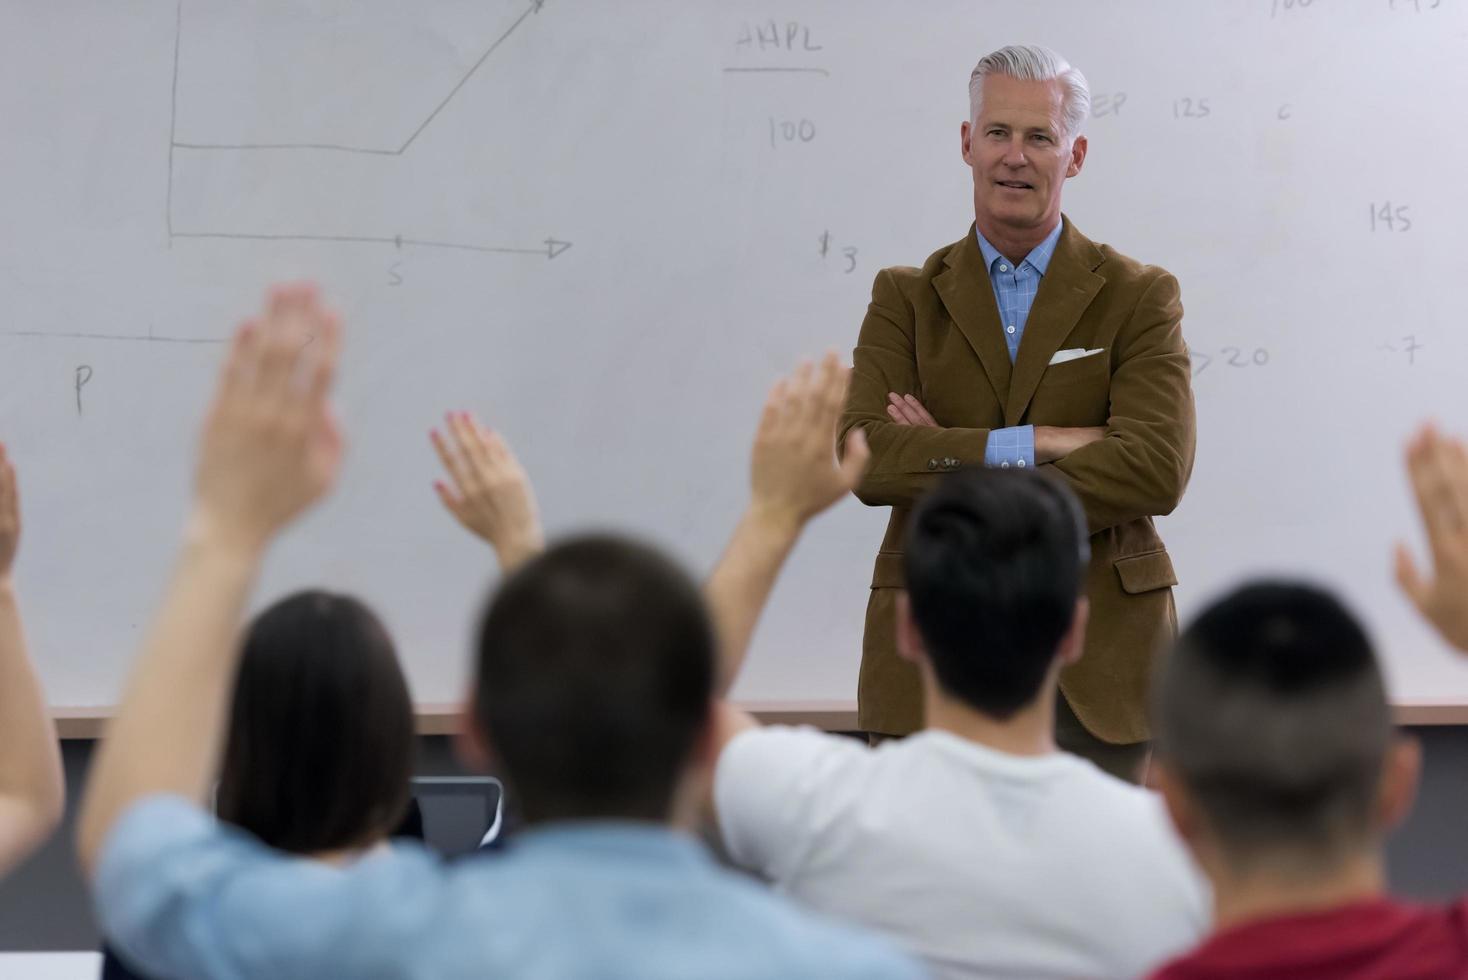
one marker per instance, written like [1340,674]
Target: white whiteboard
[688,202]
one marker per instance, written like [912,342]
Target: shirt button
[1011,328]
[1004,465]
[932,464]
[1020,464]
[1004,268]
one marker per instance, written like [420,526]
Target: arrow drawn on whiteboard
[145,338]
[550,248]
[1199,356]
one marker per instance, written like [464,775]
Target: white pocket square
[1074,354]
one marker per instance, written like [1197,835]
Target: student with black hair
[594,692]
[975,843]
[318,755]
[1281,766]
[32,790]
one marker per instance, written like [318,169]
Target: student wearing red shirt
[1280,766]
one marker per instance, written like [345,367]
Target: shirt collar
[1038,259]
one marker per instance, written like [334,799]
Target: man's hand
[1439,471]
[1057,442]
[794,474]
[907,410]
[491,495]
[271,447]
[9,517]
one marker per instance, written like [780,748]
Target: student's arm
[1438,467]
[794,475]
[491,495]
[32,790]
[270,449]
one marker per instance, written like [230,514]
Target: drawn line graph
[550,248]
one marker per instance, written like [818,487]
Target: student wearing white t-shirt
[975,843]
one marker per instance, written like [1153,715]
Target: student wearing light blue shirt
[595,684]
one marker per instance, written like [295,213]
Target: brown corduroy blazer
[935,332]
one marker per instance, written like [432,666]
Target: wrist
[774,520]
[1045,444]
[210,533]
[512,554]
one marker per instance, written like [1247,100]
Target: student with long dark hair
[319,752]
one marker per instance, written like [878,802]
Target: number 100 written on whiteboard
[791,131]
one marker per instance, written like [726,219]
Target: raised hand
[9,516]
[794,473]
[491,494]
[271,446]
[1438,467]
[32,791]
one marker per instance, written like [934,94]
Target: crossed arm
[1136,466]
[1052,443]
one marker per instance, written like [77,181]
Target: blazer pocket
[1078,370]
[887,572]
[1143,573]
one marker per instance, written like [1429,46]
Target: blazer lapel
[1069,285]
[968,295]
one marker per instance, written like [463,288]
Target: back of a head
[1272,714]
[319,753]
[596,678]
[995,562]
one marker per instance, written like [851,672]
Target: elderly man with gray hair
[1027,345]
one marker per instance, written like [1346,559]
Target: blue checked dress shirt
[1014,292]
